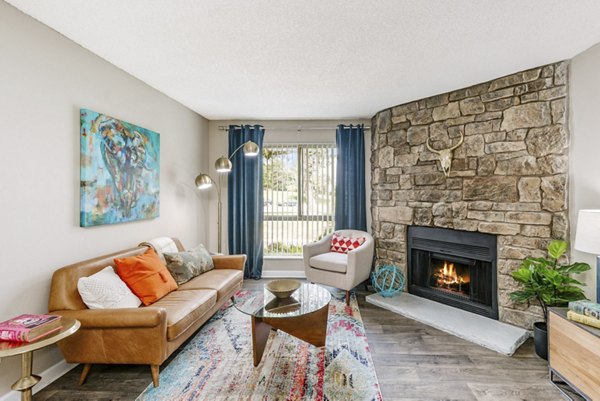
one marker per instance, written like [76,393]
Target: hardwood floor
[417,362]
[413,362]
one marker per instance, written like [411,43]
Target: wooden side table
[574,354]
[28,380]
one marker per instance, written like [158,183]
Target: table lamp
[587,239]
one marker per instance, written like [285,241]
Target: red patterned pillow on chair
[342,244]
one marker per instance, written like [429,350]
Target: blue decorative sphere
[388,280]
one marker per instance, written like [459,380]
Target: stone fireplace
[508,178]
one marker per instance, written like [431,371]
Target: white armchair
[335,269]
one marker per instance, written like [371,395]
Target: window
[299,196]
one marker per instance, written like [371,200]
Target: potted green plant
[548,282]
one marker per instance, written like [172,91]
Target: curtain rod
[299,128]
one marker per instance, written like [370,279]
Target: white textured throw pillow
[105,289]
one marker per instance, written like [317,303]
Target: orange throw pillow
[147,276]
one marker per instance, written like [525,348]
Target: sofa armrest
[117,318]
[235,262]
[316,248]
[361,259]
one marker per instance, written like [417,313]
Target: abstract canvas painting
[120,168]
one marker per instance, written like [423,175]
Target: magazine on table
[29,327]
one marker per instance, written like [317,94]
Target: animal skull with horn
[445,155]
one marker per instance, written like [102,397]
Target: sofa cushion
[186,265]
[221,280]
[330,261]
[105,289]
[184,308]
[146,275]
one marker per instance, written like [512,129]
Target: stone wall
[509,177]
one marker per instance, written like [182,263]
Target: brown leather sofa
[145,335]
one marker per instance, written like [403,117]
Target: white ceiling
[317,59]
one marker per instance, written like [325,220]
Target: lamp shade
[250,149]
[203,181]
[223,165]
[587,237]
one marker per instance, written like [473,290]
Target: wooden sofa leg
[347,297]
[154,370]
[84,373]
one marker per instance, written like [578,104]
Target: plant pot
[540,339]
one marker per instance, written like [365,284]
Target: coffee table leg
[311,327]
[260,335]
[27,380]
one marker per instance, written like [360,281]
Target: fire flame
[447,275]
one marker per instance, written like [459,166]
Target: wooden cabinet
[574,353]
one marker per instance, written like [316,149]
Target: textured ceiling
[315,59]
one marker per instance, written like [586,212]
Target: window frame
[300,215]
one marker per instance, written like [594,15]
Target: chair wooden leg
[347,297]
[84,373]
[154,370]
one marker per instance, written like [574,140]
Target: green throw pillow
[207,263]
[184,266]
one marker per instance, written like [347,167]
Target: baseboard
[48,376]
[282,274]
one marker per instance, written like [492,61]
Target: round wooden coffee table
[28,380]
[303,315]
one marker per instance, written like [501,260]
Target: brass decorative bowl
[282,288]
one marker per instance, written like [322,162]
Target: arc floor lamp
[223,165]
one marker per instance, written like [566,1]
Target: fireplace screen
[454,267]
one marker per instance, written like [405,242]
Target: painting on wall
[120,169]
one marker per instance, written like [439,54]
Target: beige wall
[585,147]
[44,80]
[218,147]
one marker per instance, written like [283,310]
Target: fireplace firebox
[457,268]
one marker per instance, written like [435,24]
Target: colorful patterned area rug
[217,363]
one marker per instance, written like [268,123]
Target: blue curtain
[350,205]
[245,199]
